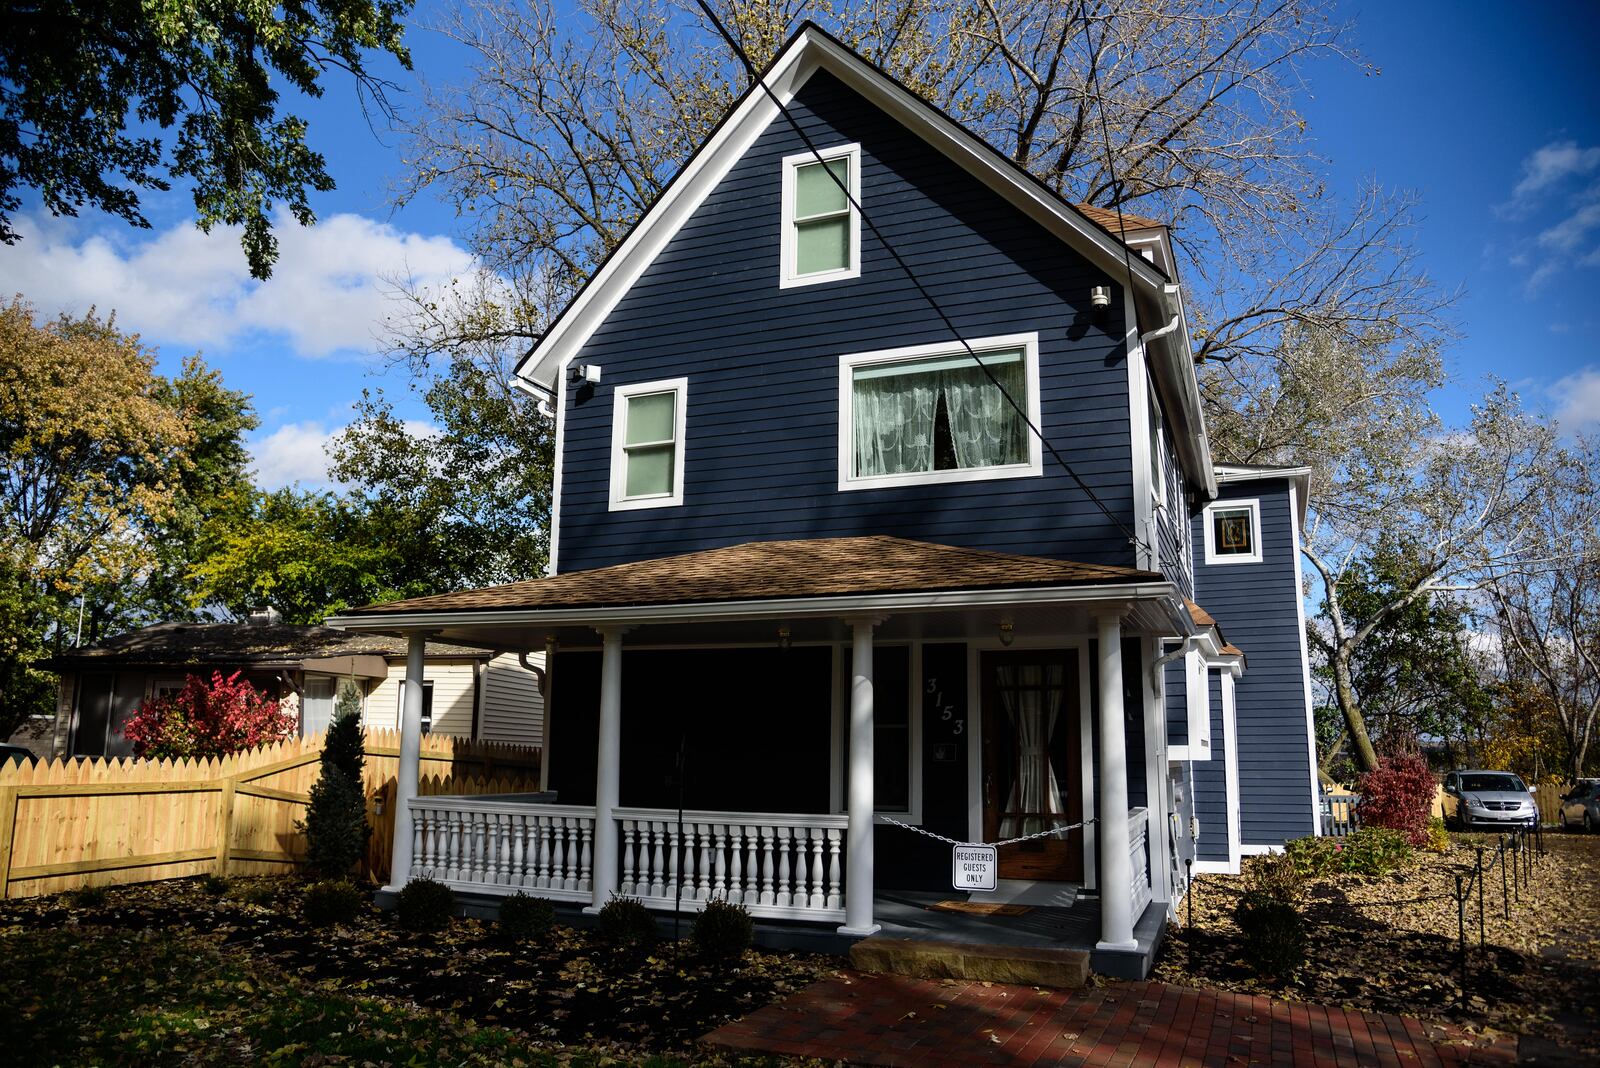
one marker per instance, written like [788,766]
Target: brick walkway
[892,1020]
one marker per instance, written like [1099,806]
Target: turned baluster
[541,845]
[785,893]
[719,881]
[735,891]
[674,861]
[768,834]
[658,860]
[835,885]
[586,856]
[629,836]
[818,896]
[703,883]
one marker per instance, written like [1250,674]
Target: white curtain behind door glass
[1031,698]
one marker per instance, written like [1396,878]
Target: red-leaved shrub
[1398,794]
[206,719]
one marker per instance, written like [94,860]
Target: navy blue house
[885,516]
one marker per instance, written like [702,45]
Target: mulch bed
[1389,944]
[570,988]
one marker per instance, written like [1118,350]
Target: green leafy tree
[101,99]
[1415,672]
[336,826]
[474,487]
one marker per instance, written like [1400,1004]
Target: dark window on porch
[891,740]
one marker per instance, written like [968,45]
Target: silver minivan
[1475,799]
[1580,806]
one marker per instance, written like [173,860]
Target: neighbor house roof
[770,570]
[1107,219]
[239,645]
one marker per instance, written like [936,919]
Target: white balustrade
[502,845]
[1139,858]
[777,866]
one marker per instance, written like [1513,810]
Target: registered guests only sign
[975,867]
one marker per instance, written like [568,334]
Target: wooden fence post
[225,824]
[8,827]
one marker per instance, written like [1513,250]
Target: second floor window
[1233,532]
[647,445]
[937,414]
[821,230]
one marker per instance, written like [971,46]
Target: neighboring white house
[470,692]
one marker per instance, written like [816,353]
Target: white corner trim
[1215,867]
[848,363]
[679,388]
[1230,733]
[788,275]
[560,431]
[1254,505]
[1305,661]
[1144,512]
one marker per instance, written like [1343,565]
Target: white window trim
[839,733]
[1034,467]
[1158,462]
[619,410]
[788,277]
[1254,505]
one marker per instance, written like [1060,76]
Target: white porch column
[410,756]
[1116,880]
[608,767]
[859,799]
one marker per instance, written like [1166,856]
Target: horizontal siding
[1177,702]
[1211,785]
[1172,524]
[761,450]
[513,710]
[1255,604]
[452,698]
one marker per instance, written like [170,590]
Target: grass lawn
[1388,943]
[168,974]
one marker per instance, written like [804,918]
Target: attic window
[821,228]
[1233,532]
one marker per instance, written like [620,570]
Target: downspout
[538,673]
[1190,644]
[1159,332]
[479,667]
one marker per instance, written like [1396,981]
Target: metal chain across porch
[1009,841]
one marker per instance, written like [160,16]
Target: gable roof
[774,570]
[1108,220]
[809,50]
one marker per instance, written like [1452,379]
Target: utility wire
[755,77]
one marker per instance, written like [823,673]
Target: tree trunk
[1344,691]
[1328,758]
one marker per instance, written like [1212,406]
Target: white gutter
[785,608]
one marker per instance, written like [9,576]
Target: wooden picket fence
[71,823]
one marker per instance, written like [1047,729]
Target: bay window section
[934,415]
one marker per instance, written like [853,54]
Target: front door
[1031,758]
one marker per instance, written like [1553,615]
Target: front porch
[895,723]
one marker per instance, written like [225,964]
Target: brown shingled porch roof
[769,570]
[1202,618]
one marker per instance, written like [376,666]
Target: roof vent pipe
[265,617]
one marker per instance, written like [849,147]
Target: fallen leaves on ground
[1389,943]
[567,996]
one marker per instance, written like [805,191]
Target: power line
[755,77]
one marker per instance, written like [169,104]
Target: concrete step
[1067,969]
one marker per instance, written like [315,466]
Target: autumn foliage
[1398,794]
[206,719]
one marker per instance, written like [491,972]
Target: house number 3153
[946,712]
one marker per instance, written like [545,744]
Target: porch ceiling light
[783,636]
[1008,631]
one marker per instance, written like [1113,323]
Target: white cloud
[1571,232]
[293,453]
[327,293]
[1551,164]
[1577,398]
[297,453]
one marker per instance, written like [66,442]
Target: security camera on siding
[1100,298]
[587,373]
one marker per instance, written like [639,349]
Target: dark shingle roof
[1106,219]
[767,570]
[177,644]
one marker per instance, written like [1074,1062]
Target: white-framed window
[821,239]
[931,413]
[1233,532]
[647,435]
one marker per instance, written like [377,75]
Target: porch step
[1030,965]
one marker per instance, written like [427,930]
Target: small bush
[1369,851]
[214,884]
[1398,795]
[1274,933]
[526,919]
[89,897]
[261,894]
[1276,876]
[625,922]
[1438,837]
[331,901]
[723,931]
[424,905]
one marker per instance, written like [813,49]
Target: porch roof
[772,571]
[1202,618]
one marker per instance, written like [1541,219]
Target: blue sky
[1492,114]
